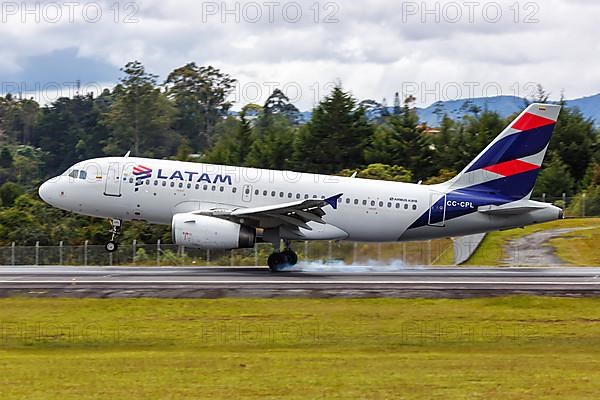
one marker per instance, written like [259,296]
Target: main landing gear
[112,245]
[281,259]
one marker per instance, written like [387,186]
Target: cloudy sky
[433,50]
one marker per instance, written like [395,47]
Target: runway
[215,282]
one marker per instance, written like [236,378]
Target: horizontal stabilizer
[511,208]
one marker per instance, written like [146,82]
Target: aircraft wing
[296,214]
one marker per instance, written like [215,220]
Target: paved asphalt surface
[355,281]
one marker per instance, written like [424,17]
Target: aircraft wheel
[277,261]
[111,246]
[291,256]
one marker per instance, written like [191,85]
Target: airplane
[227,207]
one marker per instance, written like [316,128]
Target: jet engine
[202,232]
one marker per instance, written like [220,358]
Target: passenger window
[397,205]
[164,183]
[381,204]
[197,186]
[414,206]
[389,205]
[373,203]
[189,185]
[280,194]
[273,194]
[289,195]
[205,187]
[222,189]
[247,191]
[214,188]
[234,190]
[131,180]
[406,206]
[364,202]
[180,185]
[155,183]
[172,184]
[148,182]
[265,193]
[256,192]
[355,201]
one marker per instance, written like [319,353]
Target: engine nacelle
[202,232]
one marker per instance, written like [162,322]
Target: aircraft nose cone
[45,192]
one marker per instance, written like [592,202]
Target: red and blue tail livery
[503,174]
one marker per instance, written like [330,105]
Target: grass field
[491,251]
[510,348]
[580,247]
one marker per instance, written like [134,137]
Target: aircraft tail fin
[509,166]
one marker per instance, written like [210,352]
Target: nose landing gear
[112,245]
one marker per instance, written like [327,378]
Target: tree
[555,179]
[6,158]
[573,140]
[478,132]
[382,172]
[443,176]
[397,104]
[200,100]
[18,118]
[9,192]
[184,150]
[401,141]
[233,142]
[279,103]
[376,112]
[140,118]
[69,130]
[273,144]
[335,137]
[540,95]
[448,153]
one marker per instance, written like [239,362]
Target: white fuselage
[130,188]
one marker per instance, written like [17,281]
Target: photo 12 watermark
[70,12]
[453,12]
[45,93]
[271,12]
[266,332]
[64,332]
[430,332]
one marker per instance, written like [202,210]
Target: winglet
[333,201]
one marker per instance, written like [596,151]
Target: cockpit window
[74,173]
[82,175]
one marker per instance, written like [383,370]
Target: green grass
[513,348]
[491,251]
[579,247]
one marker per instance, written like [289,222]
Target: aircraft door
[437,209]
[113,180]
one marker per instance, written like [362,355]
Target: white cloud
[377,47]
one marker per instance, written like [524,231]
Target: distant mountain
[589,106]
[457,109]
[503,105]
